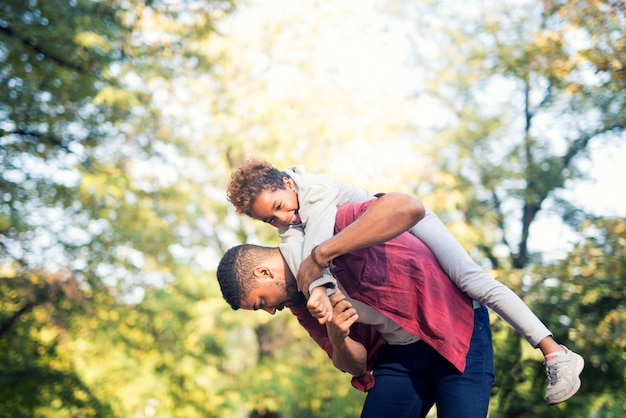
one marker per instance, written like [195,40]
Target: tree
[121,121]
[526,88]
[520,156]
[54,57]
[589,289]
[84,229]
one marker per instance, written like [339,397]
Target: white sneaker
[563,372]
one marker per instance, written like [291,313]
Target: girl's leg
[475,281]
[480,286]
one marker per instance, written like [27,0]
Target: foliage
[293,376]
[589,287]
[39,377]
[84,230]
[583,296]
[120,122]
[523,109]
[527,88]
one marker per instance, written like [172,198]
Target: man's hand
[320,306]
[348,355]
[307,273]
[344,315]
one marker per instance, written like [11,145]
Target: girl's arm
[317,200]
[291,248]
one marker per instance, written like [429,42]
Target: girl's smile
[278,208]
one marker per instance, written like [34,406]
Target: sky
[605,193]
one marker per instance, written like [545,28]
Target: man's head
[254,277]
[262,192]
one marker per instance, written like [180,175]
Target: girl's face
[278,208]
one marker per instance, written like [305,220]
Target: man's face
[273,294]
[278,208]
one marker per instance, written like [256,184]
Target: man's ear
[262,273]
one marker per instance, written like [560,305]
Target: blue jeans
[411,378]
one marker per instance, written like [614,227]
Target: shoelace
[551,374]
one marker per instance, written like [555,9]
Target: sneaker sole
[580,365]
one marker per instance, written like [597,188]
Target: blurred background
[122,120]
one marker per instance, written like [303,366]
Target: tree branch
[36,135]
[8,322]
[581,143]
[30,44]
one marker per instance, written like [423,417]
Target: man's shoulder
[349,212]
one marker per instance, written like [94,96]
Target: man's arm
[348,354]
[387,217]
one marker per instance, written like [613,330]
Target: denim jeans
[411,378]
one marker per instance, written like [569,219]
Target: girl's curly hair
[254,176]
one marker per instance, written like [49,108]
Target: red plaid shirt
[402,279]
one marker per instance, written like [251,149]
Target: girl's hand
[320,306]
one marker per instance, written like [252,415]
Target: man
[395,313]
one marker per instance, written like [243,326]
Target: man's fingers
[342,306]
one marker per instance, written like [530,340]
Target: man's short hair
[235,271]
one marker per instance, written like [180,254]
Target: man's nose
[270,311]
